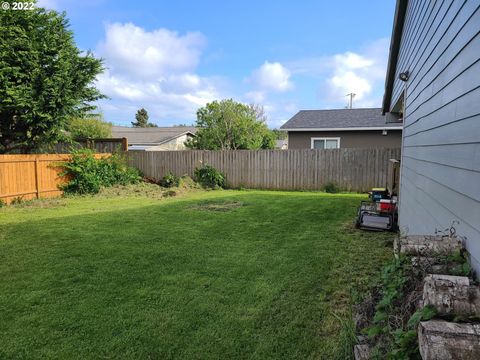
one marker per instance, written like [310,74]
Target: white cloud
[116,87]
[350,60]
[266,83]
[170,98]
[272,76]
[137,52]
[347,81]
[361,72]
[153,69]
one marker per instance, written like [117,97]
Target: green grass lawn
[211,275]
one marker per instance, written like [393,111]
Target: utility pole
[352,95]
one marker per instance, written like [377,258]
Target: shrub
[170,180]
[209,177]
[88,174]
[331,188]
[2,203]
[89,128]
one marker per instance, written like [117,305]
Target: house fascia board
[348,129]
[396,39]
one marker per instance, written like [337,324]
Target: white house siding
[174,144]
[440,174]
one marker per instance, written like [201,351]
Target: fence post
[37,187]
[124,144]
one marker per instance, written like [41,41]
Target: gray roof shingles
[152,135]
[338,118]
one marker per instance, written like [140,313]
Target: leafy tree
[141,118]
[89,128]
[45,80]
[230,125]
[279,134]
[268,136]
[269,140]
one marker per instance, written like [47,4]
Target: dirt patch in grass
[170,193]
[150,190]
[217,205]
[142,189]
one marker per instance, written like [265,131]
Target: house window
[325,143]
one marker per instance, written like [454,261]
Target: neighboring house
[342,128]
[155,139]
[435,47]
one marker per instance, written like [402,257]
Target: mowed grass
[213,275]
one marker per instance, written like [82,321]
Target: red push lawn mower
[379,214]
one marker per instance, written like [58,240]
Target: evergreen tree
[141,118]
[45,79]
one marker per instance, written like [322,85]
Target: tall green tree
[141,118]
[230,125]
[45,80]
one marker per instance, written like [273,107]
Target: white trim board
[347,129]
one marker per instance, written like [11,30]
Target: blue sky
[173,56]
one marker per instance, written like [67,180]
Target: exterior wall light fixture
[404,76]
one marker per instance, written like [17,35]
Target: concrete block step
[451,295]
[442,340]
[428,245]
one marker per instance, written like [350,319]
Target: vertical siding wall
[351,169]
[440,175]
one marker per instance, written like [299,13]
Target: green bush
[88,174]
[2,203]
[331,188]
[170,180]
[209,177]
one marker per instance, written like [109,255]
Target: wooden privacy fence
[351,169]
[30,176]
